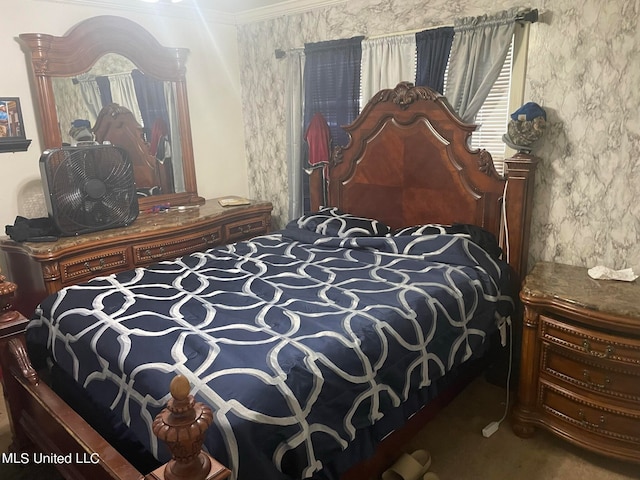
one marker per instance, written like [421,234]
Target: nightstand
[580,363]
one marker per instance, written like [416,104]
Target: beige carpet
[460,452]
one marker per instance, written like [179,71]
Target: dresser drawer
[245,229]
[618,423]
[84,267]
[605,377]
[595,344]
[149,252]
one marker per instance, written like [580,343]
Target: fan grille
[89,188]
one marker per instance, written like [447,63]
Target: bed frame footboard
[42,423]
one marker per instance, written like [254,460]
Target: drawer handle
[95,268]
[607,351]
[211,238]
[148,253]
[245,229]
[603,386]
[587,423]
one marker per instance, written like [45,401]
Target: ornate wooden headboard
[408,162]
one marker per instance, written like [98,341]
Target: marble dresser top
[177,217]
[572,285]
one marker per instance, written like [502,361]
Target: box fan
[88,188]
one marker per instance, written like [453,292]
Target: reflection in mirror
[112,65]
[136,112]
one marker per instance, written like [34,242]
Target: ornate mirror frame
[78,50]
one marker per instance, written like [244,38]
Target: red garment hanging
[158,130]
[318,137]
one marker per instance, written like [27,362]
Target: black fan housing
[89,188]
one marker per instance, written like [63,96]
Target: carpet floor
[458,449]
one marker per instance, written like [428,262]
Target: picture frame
[12,134]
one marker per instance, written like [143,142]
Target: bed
[317,345]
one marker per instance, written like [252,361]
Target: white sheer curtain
[294,93]
[174,135]
[123,92]
[480,46]
[386,61]
[91,95]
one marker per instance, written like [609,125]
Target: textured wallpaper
[584,69]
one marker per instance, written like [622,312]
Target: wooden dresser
[580,364]
[40,269]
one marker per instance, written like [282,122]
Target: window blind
[494,115]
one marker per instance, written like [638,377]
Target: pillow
[476,234]
[431,229]
[332,222]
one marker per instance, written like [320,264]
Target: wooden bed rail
[42,422]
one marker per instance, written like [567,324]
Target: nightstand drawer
[613,422]
[594,343]
[602,376]
[245,229]
[84,267]
[157,251]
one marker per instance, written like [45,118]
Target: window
[494,115]
[505,97]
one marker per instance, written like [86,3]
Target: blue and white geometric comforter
[296,341]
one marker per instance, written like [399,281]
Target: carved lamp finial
[182,426]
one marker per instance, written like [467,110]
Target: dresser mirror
[109,79]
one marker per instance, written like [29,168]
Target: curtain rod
[406,32]
[527,16]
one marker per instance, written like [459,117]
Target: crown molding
[287,7]
[191,9]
